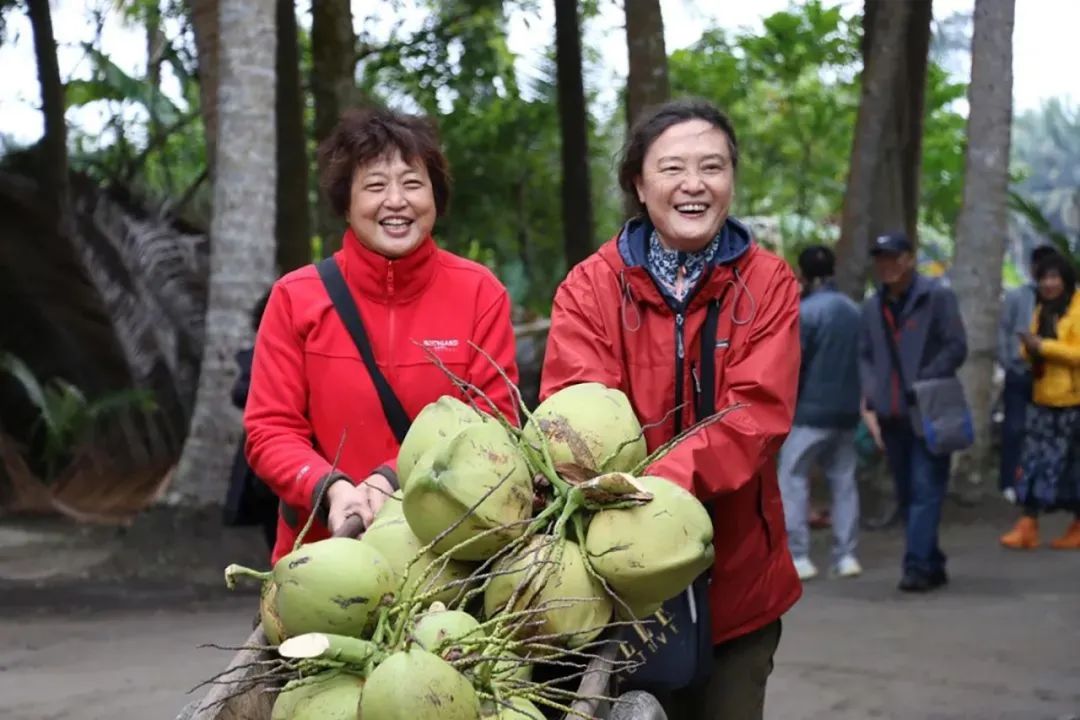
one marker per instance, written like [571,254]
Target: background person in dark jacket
[825,417]
[922,316]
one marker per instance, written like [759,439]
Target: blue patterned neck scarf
[678,272]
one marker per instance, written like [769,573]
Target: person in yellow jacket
[1049,475]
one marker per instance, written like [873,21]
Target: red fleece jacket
[310,389]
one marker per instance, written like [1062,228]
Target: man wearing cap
[920,317]
[826,415]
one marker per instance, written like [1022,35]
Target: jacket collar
[383,279]
[920,286]
[626,255]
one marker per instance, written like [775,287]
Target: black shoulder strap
[346,308]
[890,343]
[707,396]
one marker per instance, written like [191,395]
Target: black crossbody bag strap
[707,396]
[346,308]
[894,352]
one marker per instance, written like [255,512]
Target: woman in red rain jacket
[631,316]
[386,176]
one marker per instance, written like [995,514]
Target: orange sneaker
[1070,540]
[1023,536]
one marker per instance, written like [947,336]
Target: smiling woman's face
[686,184]
[392,206]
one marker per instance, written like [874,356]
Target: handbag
[676,651]
[937,407]
[346,308]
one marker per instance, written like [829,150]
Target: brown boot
[1023,536]
[1070,540]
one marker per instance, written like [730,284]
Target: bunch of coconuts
[505,548]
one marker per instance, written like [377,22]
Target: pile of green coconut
[508,550]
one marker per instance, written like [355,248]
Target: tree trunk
[204,23]
[982,225]
[293,230]
[895,204]
[241,232]
[55,189]
[576,197]
[647,81]
[333,84]
[876,107]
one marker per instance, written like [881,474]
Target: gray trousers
[832,449]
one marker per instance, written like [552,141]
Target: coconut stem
[322,494]
[579,528]
[667,447]
[234,570]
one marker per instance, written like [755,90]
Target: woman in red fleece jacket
[386,176]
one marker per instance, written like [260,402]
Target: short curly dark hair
[370,133]
[653,122]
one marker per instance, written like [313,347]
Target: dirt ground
[1002,642]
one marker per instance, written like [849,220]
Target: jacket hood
[735,240]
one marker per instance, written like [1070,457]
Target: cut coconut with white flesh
[328,647]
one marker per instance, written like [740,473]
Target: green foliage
[792,92]
[66,417]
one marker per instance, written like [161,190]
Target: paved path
[1002,642]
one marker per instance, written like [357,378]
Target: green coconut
[440,630]
[567,600]
[587,425]
[391,535]
[415,685]
[330,696]
[329,586]
[652,552]
[520,709]
[436,422]
[480,462]
[271,625]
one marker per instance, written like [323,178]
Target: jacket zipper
[680,355]
[390,302]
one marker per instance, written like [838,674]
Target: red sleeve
[578,347]
[494,332]
[278,431]
[764,376]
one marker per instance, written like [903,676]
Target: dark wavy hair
[1051,311]
[653,122]
[371,133]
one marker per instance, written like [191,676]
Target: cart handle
[353,527]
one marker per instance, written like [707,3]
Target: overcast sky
[1046,50]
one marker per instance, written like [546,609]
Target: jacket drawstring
[627,300]
[741,288]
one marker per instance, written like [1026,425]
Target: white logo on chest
[440,345]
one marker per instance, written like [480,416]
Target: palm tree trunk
[54,188]
[576,196]
[876,107]
[204,23]
[982,226]
[333,84]
[242,236]
[293,228]
[647,80]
